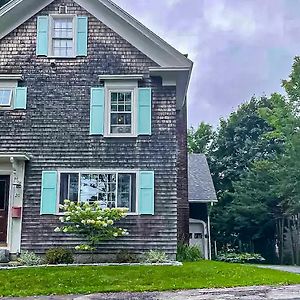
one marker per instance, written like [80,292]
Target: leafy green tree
[200,139]
[256,209]
[266,206]
[240,142]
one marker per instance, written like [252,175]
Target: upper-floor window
[6,96]
[62,36]
[121,109]
[11,95]
[62,39]
[121,112]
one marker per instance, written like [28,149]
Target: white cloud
[222,17]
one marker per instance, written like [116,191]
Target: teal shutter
[146,193]
[97,111]
[49,193]
[20,98]
[82,36]
[144,111]
[42,35]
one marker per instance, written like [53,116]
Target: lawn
[85,280]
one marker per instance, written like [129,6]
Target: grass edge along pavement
[93,279]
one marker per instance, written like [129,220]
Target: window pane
[5,96]
[126,191]
[73,187]
[98,187]
[63,28]
[62,47]
[121,115]
[88,187]
[68,187]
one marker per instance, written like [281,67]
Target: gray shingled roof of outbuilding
[201,187]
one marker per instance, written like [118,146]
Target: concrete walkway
[246,293]
[291,269]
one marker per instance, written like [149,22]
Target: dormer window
[6,97]
[62,39]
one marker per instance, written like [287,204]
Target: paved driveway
[291,269]
[247,293]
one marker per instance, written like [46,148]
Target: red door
[4,196]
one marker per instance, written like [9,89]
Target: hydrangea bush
[92,222]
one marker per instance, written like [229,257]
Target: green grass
[85,280]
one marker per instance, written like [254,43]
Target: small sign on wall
[16,212]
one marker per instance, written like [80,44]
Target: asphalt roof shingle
[201,187]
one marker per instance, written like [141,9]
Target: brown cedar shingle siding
[182,177]
[54,131]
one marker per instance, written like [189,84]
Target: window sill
[5,108]
[60,57]
[119,136]
[128,214]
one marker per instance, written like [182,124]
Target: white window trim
[50,37]
[120,86]
[97,171]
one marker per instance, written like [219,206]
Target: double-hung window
[6,96]
[110,189]
[63,37]
[121,112]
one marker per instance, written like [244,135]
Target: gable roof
[200,184]
[173,65]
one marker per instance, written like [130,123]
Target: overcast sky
[239,47]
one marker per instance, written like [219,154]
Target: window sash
[132,205]
[115,111]
[5,94]
[62,40]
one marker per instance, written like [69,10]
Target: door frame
[8,237]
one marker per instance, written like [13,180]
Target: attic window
[62,38]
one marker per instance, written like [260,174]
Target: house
[201,194]
[92,107]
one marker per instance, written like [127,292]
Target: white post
[209,237]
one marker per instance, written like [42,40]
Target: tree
[200,139]
[240,142]
[266,206]
[256,209]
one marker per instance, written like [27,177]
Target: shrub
[124,256]
[29,259]
[249,258]
[56,256]
[92,222]
[4,256]
[155,256]
[186,252]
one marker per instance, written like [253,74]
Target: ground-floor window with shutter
[111,189]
